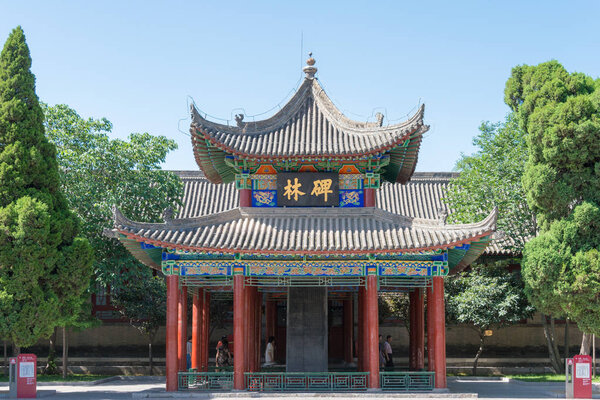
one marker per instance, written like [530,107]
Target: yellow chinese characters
[293,190]
[323,187]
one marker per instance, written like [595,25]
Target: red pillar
[172,338]
[270,318]
[420,327]
[259,298]
[182,327]
[239,352]
[348,330]
[251,328]
[430,331]
[197,329]
[361,330]
[412,340]
[439,335]
[369,197]
[372,344]
[245,198]
[205,330]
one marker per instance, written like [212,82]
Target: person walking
[387,349]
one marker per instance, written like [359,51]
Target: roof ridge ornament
[310,70]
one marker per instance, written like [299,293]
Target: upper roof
[308,126]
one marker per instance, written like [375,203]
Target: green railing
[206,381]
[306,381]
[407,381]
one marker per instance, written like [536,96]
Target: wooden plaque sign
[308,189]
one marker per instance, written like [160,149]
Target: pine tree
[44,266]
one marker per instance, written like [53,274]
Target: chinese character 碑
[293,190]
[322,187]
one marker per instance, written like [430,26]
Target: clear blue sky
[136,62]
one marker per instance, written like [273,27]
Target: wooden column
[430,330]
[439,333]
[245,198]
[249,331]
[348,330]
[182,328]
[172,334]
[372,344]
[361,331]
[197,329]
[239,351]
[420,327]
[270,319]
[206,352]
[369,197]
[412,338]
[259,301]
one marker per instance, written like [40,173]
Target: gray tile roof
[308,125]
[302,230]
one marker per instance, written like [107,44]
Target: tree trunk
[586,342]
[65,355]
[5,359]
[150,357]
[51,362]
[555,342]
[566,339]
[16,350]
[481,341]
[555,361]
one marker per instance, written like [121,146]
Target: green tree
[491,177]
[486,297]
[560,111]
[44,266]
[144,304]
[98,172]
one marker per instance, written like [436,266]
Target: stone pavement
[153,387]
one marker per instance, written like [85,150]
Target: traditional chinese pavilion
[304,207]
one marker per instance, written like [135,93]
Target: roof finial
[310,69]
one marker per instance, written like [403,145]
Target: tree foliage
[44,265]
[98,172]
[561,113]
[491,177]
[144,304]
[486,297]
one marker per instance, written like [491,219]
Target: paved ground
[136,387]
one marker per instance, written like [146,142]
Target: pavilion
[303,207]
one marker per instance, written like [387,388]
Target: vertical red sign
[26,376]
[582,377]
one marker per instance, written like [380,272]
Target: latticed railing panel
[210,381]
[407,381]
[306,381]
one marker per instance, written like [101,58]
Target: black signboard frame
[308,189]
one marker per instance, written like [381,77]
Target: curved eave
[309,126]
[159,234]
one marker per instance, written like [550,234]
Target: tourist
[270,351]
[387,350]
[188,355]
[381,352]
[223,356]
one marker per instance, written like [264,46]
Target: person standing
[223,357]
[270,351]
[387,349]
[382,359]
